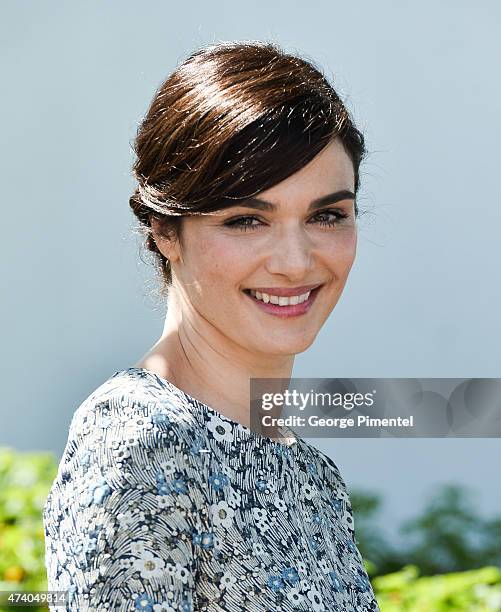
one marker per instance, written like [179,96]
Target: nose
[290,254]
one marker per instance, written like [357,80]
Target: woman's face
[234,266]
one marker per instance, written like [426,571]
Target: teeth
[280,300]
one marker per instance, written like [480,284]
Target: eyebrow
[330,198]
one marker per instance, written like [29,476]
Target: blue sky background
[424,297]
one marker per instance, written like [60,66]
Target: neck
[204,363]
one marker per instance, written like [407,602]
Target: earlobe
[167,246]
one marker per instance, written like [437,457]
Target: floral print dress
[162,504]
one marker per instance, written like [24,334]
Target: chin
[290,346]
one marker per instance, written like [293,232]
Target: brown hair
[233,119]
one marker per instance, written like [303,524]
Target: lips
[284,291]
[285,306]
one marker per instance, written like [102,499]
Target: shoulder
[126,436]
[325,465]
[333,486]
[134,403]
[130,482]
[130,419]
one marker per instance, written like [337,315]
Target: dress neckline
[249,433]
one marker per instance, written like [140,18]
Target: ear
[168,245]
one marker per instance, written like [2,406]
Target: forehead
[331,170]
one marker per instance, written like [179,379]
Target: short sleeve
[125,511]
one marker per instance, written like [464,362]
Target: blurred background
[423,299]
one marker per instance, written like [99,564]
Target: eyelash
[236,223]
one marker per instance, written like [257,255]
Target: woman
[166,498]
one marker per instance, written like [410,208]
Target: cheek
[340,252]
[217,261]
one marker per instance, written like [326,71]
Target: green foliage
[451,528]
[473,591]
[25,479]
[447,536]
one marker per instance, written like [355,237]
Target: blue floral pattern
[162,504]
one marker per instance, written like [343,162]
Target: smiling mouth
[284,306]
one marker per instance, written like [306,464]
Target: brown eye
[330,217]
[243,223]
